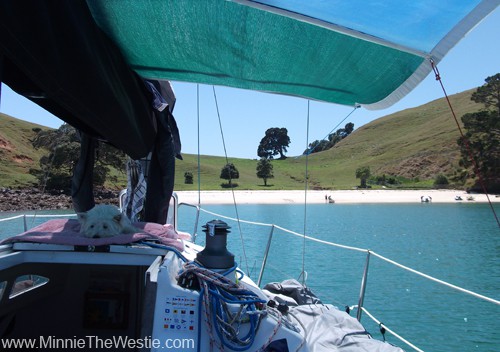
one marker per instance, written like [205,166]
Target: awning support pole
[363,286]
[268,246]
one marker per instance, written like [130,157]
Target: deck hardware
[215,255]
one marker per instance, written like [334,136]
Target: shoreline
[340,197]
[33,199]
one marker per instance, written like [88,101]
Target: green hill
[416,144]
[17,155]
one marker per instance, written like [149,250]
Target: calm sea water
[457,243]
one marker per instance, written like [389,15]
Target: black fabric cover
[293,289]
[82,189]
[160,180]
[54,54]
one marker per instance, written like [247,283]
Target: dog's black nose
[96,236]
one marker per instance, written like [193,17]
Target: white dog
[104,221]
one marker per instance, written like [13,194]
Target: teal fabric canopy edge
[226,43]
[418,24]
[438,53]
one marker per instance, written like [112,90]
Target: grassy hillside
[17,155]
[286,174]
[417,143]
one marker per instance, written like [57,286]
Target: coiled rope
[227,306]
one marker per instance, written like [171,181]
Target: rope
[220,296]
[302,326]
[357,249]
[466,141]
[12,218]
[287,231]
[382,326]
[40,216]
[232,190]
[279,321]
[444,283]
[165,247]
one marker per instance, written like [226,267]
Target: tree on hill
[229,172]
[264,170]
[188,177]
[441,181]
[482,138]
[63,147]
[333,138]
[317,146]
[489,94]
[273,143]
[364,174]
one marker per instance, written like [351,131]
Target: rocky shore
[35,199]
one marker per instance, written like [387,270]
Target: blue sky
[246,115]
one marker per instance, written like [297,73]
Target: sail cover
[346,52]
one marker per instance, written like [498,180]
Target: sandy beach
[340,197]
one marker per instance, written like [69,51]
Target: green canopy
[291,47]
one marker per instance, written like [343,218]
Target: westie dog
[104,221]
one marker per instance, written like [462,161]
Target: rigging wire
[357,106]
[466,141]
[195,232]
[306,186]
[303,274]
[198,136]
[230,181]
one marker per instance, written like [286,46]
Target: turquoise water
[457,243]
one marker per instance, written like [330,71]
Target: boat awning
[345,52]
[84,61]
[53,53]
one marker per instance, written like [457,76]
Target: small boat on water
[104,67]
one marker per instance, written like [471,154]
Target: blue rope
[215,296]
[168,248]
[202,291]
[219,298]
